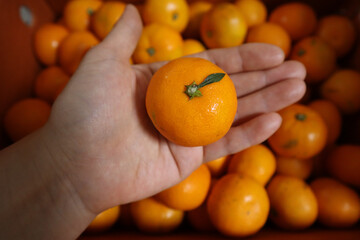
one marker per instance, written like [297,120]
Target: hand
[103,141]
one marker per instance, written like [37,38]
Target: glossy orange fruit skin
[294,167]
[318,57]
[49,81]
[158,43]
[257,162]
[332,117]
[218,166]
[191,122]
[47,40]
[192,46]
[77,14]
[26,116]
[270,33]
[238,206]
[197,10]
[106,16]
[302,134]
[338,31]
[104,220]
[172,13]
[73,49]
[339,205]
[342,88]
[223,26]
[298,19]
[343,163]
[152,216]
[190,193]
[293,203]
[254,11]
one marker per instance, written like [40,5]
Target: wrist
[41,201]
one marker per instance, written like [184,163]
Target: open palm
[106,144]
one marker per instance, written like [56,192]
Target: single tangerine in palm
[191,101]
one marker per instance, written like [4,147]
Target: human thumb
[123,38]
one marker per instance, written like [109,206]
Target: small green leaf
[192,90]
[215,77]
[209,34]
[151,51]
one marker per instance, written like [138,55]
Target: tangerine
[191,101]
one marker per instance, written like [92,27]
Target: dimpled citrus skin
[191,122]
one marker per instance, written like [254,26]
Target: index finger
[246,57]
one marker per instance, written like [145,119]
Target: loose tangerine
[26,116]
[192,46]
[238,206]
[188,194]
[73,48]
[158,43]
[104,220]
[47,41]
[49,81]
[106,16]
[191,101]
[77,14]
[223,26]
[298,19]
[152,216]
[172,13]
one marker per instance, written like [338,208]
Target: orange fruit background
[172,13]
[26,116]
[256,162]
[47,40]
[293,203]
[298,19]
[158,43]
[223,26]
[323,35]
[270,33]
[238,206]
[152,216]
[190,193]
[339,205]
[104,220]
[302,134]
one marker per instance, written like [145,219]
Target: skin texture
[99,149]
